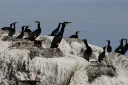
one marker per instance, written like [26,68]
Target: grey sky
[97,19]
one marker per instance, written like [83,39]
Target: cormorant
[75,36]
[12,31]
[102,55]
[22,33]
[54,32]
[7,28]
[88,51]
[57,39]
[35,33]
[118,49]
[124,48]
[109,48]
[27,31]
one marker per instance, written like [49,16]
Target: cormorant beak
[37,22]
[15,22]
[67,23]
[27,26]
[78,31]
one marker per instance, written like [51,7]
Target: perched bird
[22,33]
[124,48]
[33,35]
[75,36]
[27,31]
[118,49]
[54,32]
[88,51]
[7,28]
[12,31]
[102,55]
[109,48]
[57,39]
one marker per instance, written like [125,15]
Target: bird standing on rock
[27,31]
[7,28]
[118,49]
[75,36]
[54,32]
[102,55]
[124,48]
[22,33]
[88,51]
[109,48]
[57,39]
[13,30]
[35,33]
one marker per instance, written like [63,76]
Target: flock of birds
[58,35]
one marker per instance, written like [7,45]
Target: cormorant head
[78,32]
[27,26]
[37,22]
[84,40]
[107,41]
[104,47]
[15,23]
[11,24]
[122,40]
[65,23]
[23,27]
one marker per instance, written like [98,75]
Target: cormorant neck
[38,26]
[22,30]
[121,43]
[62,29]
[58,26]
[86,44]
[104,50]
[108,43]
[126,42]
[76,33]
[10,26]
[14,27]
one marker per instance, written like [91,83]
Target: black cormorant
[102,55]
[118,49]
[54,32]
[7,28]
[57,39]
[88,51]
[27,31]
[109,48]
[12,31]
[35,33]
[124,48]
[75,36]
[22,33]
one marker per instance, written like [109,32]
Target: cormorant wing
[72,36]
[27,30]
[5,28]
[56,40]
[35,33]
[54,32]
